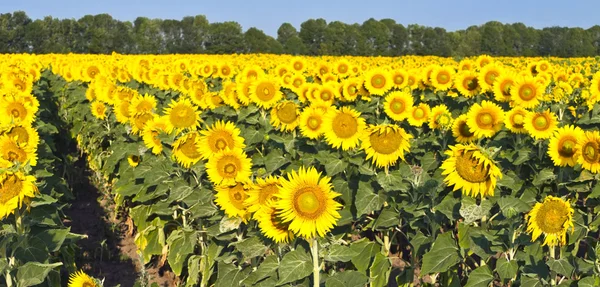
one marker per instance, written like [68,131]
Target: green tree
[312,33]
[225,38]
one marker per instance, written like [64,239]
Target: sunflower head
[588,151]
[186,149]
[229,166]
[80,279]
[231,200]
[219,136]
[485,119]
[385,144]
[15,188]
[343,128]
[183,115]
[398,105]
[272,225]
[285,116]
[540,125]
[553,218]
[562,148]
[461,131]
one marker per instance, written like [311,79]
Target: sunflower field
[264,170]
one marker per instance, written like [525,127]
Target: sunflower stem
[314,248]
[18,221]
[552,273]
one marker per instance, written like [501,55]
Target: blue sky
[268,15]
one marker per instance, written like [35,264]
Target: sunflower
[139,121]
[299,64]
[351,89]
[98,110]
[399,78]
[419,115]
[186,150]
[121,110]
[24,135]
[265,93]
[378,81]
[502,86]
[262,193]
[231,200]
[485,120]
[15,109]
[540,125]
[151,131]
[326,94]
[398,105]
[311,121]
[134,160]
[183,115]
[467,84]
[440,117]
[441,78]
[285,116]
[484,60]
[470,170]
[588,151]
[306,201]
[487,76]
[526,92]
[219,136]
[272,226]
[80,279]
[343,128]
[11,151]
[15,187]
[229,166]
[142,104]
[515,120]
[385,144]
[553,218]
[563,145]
[461,131]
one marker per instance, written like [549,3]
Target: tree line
[102,34]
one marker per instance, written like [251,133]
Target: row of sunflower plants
[36,248]
[277,170]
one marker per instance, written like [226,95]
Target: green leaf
[590,281]
[442,256]
[543,176]
[275,160]
[347,279]
[560,266]
[530,282]
[193,271]
[387,218]
[181,244]
[340,253]
[294,266]
[34,273]
[251,247]
[392,181]
[480,277]
[366,201]
[428,161]
[449,207]
[267,267]
[366,250]
[471,211]
[53,238]
[506,269]
[380,270]
[230,275]
[333,167]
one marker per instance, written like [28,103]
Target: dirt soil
[109,251]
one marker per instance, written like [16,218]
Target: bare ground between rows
[109,251]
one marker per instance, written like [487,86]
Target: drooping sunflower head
[440,117]
[12,152]
[186,149]
[553,218]
[470,170]
[139,121]
[231,199]
[419,115]
[306,202]
[272,225]
[228,167]
[485,119]
[15,188]
[183,115]
[24,135]
[588,151]
[398,105]
[152,130]
[515,120]
[262,193]
[220,136]
[385,144]
[285,116]
[540,125]
[526,92]
[343,128]
[461,131]
[562,148]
